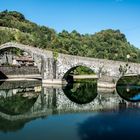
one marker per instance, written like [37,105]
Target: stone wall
[5,59]
[99,66]
[14,70]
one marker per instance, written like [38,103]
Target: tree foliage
[106,44]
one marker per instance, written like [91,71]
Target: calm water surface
[78,111]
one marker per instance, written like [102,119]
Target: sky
[85,16]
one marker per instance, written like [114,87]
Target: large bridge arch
[27,48]
[37,58]
[38,55]
[18,46]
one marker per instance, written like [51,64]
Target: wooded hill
[108,44]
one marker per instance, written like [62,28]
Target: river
[77,111]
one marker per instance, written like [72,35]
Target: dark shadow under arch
[80,91]
[22,55]
[84,70]
[128,88]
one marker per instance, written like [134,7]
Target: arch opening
[128,87]
[15,61]
[80,88]
[79,72]
[10,53]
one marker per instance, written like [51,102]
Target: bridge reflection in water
[22,102]
[33,101]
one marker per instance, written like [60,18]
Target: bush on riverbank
[106,44]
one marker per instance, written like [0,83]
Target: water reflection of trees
[128,87]
[129,94]
[18,84]
[129,80]
[17,101]
[18,97]
[11,126]
[16,104]
[81,92]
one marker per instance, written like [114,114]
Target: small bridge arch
[73,66]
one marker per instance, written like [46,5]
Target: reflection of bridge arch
[128,87]
[63,105]
[128,75]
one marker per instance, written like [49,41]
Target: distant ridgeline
[107,44]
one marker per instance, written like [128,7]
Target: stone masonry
[55,68]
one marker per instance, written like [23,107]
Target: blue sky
[85,16]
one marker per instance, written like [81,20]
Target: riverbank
[22,77]
[19,79]
[106,84]
[14,84]
[54,82]
[100,84]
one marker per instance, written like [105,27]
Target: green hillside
[108,44]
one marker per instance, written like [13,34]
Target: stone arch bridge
[53,66]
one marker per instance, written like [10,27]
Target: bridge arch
[37,54]
[127,87]
[18,46]
[89,69]
[30,50]
[69,67]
